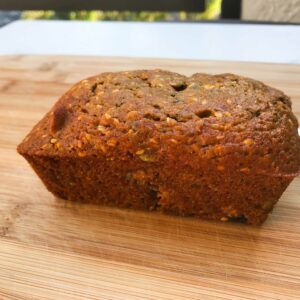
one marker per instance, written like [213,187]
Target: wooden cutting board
[54,249]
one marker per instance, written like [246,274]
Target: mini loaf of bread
[220,147]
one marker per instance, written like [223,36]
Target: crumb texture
[220,147]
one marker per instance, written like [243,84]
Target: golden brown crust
[177,143]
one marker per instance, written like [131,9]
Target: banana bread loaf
[220,147]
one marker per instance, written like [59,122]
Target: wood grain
[54,249]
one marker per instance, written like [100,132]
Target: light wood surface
[54,249]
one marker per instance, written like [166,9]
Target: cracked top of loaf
[153,115]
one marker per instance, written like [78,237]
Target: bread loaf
[219,147]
